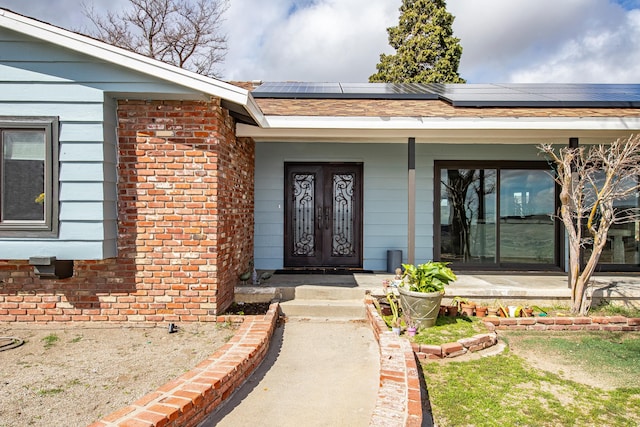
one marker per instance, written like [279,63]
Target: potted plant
[395,322]
[465,306]
[481,310]
[392,319]
[411,327]
[421,291]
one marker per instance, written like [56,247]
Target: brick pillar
[185,202]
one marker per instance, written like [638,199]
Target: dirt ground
[556,363]
[72,375]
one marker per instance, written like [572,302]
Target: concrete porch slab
[508,288]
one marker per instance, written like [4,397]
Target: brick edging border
[594,323]
[190,398]
[399,401]
[399,396]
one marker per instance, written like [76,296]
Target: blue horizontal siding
[82,172]
[66,112]
[82,152]
[38,79]
[85,210]
[39,92]
[86,191]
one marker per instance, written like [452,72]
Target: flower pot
[492,312]
[452,310]
[385,308]
[467,309]
[512,310]
[411,331]
[396,330]
[443,310]
[481,311]
[528,312]
[422,307]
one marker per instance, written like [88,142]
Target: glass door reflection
[527,227]
[468,215]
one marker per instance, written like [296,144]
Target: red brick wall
[185,226]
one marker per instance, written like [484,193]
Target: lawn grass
[506,390]
[604,309]
[616,352]
[450,329]
[607,309]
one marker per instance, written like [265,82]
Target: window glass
[502,214]
[28,176]
[527,227]
[23,169]
[622,247]
[468,215]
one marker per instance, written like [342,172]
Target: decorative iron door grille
[323,204]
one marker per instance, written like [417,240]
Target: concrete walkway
[316,373]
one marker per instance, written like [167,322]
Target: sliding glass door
[495,215]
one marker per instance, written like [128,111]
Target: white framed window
[28,176]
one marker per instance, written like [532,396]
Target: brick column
[185,202]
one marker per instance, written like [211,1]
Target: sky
[503,41]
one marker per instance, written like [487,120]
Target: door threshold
[322,270]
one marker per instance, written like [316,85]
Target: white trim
[454,123]
[130,60]
[439,129]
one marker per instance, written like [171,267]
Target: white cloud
[538,40]
[325,40]
[603,55]
[341,40]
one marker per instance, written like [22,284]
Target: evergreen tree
[426,50]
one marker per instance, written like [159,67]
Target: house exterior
[446,172]
[126,195]
[137,191]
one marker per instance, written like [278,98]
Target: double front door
[323,215]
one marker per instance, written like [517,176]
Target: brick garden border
[399,401]
[190,398]
[595,323]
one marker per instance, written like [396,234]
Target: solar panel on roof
[474,95]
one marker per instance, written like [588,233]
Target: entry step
[352,309]
[334,293]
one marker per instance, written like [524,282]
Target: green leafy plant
[431,276]
[395,310]
[50,340]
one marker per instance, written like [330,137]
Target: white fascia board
[439,130]
[456,123]
[131,60]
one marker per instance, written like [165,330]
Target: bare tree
[592,179]
[185,33]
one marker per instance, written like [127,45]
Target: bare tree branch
[185,33]
[592,180]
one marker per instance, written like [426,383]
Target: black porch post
[411,233]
